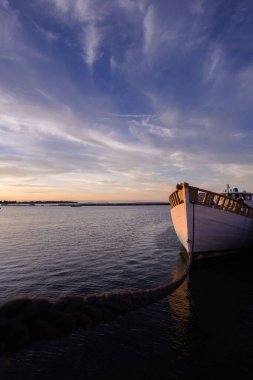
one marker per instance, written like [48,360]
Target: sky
[123,99]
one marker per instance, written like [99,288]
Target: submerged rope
[25,320]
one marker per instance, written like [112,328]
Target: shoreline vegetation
[79,204]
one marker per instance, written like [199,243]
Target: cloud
[92,40]
[149,29]
[47,34]
[62,5]
[4,4]
[212,70]
[85,15]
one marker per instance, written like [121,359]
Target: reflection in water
[180,311]
[212,318]
[179,314]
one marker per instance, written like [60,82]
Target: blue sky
[122,99]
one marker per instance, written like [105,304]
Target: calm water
[204,330]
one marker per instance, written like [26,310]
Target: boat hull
[207,232]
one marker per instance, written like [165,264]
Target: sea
[204,330]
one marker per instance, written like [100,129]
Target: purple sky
[122,99]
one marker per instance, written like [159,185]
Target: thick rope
[26,320]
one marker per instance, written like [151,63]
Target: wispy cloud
[50,36]
[213,68]
[92,40]
[149,29]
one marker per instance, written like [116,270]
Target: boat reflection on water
[179,316]
[212,320]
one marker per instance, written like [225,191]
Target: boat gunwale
[238,206]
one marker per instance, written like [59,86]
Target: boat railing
[176,198]
[219,201]
[211,199]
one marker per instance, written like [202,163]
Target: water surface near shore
[203,330]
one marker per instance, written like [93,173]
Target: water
[204,330]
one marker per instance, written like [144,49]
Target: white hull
[206,231]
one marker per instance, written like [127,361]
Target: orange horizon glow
[136,196]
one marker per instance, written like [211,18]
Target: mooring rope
[25,320]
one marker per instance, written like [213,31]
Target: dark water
[204,330]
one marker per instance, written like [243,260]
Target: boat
[210,224]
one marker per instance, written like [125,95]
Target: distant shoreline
[77,204]
[122,204]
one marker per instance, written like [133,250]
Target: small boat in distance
[210,224]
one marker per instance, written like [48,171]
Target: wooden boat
[210,224]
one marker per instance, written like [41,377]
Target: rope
[25,320]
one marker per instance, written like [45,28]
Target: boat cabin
[234,193]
